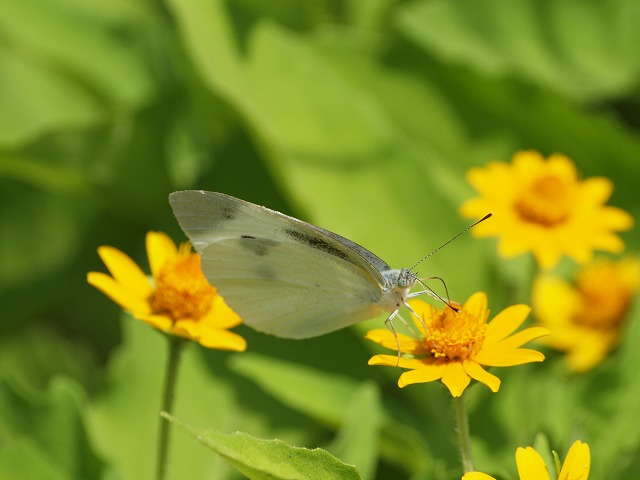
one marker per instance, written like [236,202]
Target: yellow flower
[455,345]
[586,317]
[178,299]
[541,206]
[531,466]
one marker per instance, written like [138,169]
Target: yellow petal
[616,218]
[394,361]
[425,374]
[530,465]
[546,257]
[608,242]
[423,309]
[384,337]
[159,322]
[477,305]
[561,166]
[527,162]
[188,328]
[511,246]
[555,301]
[518,339]
[125,271]
[581,254]
[585,355]
[508,358]
[118,293]
[472,209]
[160,249]
[478,373]
[596,190]
[477,476]
[506,322]
[578,462]
[221,315]
[455,378]
[222,340]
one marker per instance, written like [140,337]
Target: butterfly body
[284,276]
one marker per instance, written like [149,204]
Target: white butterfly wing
[281,275]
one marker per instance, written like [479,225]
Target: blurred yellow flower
[531,466]
[455,345]
[541,206]
[177,299]
[586,317]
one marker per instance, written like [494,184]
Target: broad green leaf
[611,397]
[345,162]
[81,43]
[321,395]
[271,459]
[47,226]
[359,436]
[22,458]
[44,435]
[125,413]
[42,175]
[33,357]
[584,50]
[35,100]
[330,399]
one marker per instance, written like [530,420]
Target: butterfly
[283,276]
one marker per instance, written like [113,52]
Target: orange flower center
[456,336]
[547,201]
[605,297]
[182,291]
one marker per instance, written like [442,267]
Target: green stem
[170,377]
[462,422]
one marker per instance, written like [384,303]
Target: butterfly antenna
[447,302]
[451,240]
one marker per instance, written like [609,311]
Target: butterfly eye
[406,279]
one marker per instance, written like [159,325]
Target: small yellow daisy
[541,206]
[586,317]
[455,345]
[531,466]
[177,299]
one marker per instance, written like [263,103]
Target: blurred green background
[359,116]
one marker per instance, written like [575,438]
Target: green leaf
[328,153]
[62,64]
[292,383]
[47,226]
[332,399]
[35,100]
[44,436]
[611,396]
[584,50]
[125,413]
[34,356]
[358,438]
[83,43]
[271,459]
[43,175]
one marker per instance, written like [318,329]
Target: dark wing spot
[266,272]
[317,243]
[258,246]
[228,212]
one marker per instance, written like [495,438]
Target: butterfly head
[406,279]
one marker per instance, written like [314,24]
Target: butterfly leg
[419,318]
[389,324]
[407,324]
